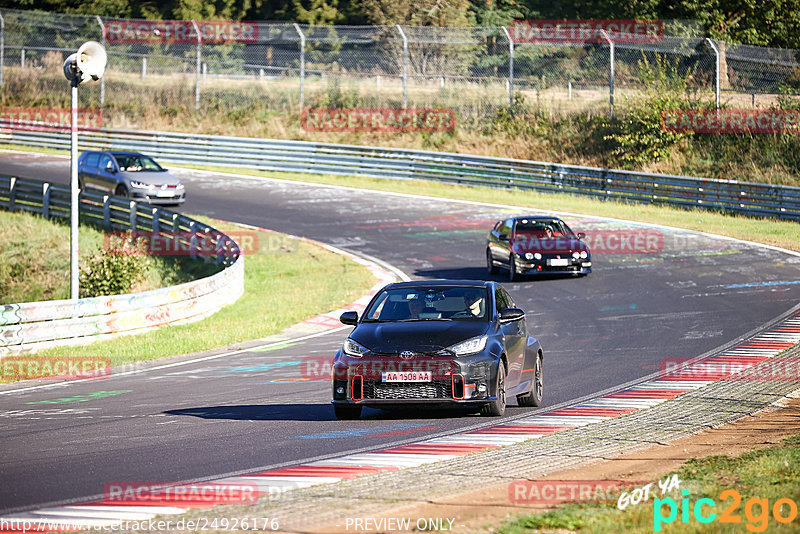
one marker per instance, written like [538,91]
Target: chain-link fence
[237,67]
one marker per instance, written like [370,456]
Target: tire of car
[121,191]
[490,266]
[498,406]
[534,396]
[346,412]
[512,269]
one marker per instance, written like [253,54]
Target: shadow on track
[480,273]
[261,412]
[314,412]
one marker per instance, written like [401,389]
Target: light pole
[88,63]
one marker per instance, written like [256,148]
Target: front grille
[438,389]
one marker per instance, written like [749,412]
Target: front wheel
[121,191]
[512,269]
[345,412]
[490,266]
[498,406]
[534,396]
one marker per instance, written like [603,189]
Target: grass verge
[287,281]
[773,232]
[34,261]
[706,478]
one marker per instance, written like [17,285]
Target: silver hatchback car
[129,174]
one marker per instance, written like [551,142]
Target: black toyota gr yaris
[437,343]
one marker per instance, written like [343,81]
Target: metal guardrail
[38,325]
[753,199]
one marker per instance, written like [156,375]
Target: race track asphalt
[255,409]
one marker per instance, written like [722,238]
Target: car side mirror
[349,317]
[581,235]
[509,315]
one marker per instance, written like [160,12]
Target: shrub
[112,274]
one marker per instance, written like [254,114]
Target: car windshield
[137,163]
[429,304]
[542,228]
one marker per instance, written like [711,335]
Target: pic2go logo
[756,511]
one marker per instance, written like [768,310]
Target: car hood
[417,336]
[151,177]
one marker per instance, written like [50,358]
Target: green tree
[421,13]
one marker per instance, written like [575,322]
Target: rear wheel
[346,411]
[498,406]
[512,269]
[534,396]
[490,266]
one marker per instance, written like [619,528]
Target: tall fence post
[510,68]
[144,67]
[102,78]
[2,47]
[197,67]
[716,67]
[302,64]
[405,66]
[610,74]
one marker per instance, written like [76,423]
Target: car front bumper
[572,266]
[151,197]
[467,380]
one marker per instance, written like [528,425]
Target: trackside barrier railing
[38,325]
[753,199]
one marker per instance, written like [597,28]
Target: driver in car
[473,301]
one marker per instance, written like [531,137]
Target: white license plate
[558,262]
[165,194]
[406,376]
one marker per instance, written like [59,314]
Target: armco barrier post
[132,216]
[106,212]
[46,200]
[12,193]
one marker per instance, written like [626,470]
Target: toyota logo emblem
[406,354]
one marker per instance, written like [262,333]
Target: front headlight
[537,256]
[470,346]
[140,185]
[528,256]
[576,254]
[584,254]
[351,348]
[179,186]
